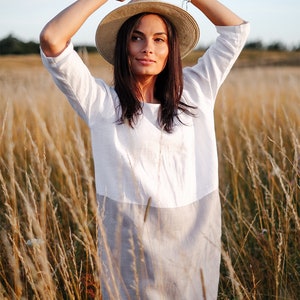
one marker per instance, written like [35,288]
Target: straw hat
[186,26]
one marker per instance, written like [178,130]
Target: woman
[153,141]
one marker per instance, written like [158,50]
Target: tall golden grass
[48,221]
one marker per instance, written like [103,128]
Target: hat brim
[186,26]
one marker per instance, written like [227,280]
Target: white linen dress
[157,192]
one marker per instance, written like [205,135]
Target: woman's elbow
[49,45]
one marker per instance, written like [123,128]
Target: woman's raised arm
[218,13]
[57,33]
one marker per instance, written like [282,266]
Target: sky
[271,20]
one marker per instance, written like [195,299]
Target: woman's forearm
[218,13]
[57,33]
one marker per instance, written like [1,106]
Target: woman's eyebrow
[157,33]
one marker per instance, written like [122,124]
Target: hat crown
[137,1]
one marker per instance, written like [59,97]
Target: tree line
[12,45]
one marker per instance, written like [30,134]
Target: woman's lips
[145,61]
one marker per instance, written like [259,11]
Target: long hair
[168,85]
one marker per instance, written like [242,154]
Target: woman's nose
[148,47]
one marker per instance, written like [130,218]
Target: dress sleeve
[86,94]
[203,80]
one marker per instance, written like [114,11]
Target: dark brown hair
[168,85]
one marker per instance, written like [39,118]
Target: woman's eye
[135,38]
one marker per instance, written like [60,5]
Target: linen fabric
[157,192]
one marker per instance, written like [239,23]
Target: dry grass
[48,221]
[258,127]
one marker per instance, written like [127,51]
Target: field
[47,201]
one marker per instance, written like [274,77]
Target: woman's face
[148,47]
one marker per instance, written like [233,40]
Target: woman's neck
[146,90]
